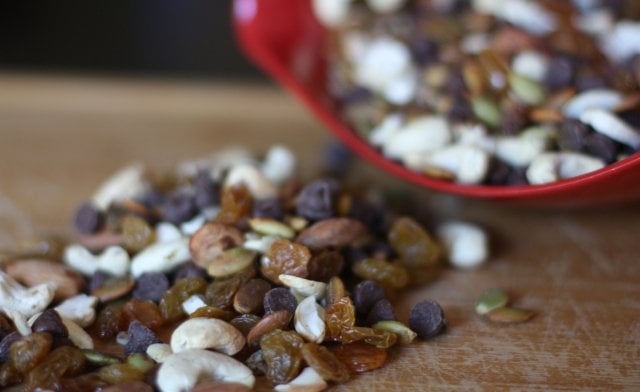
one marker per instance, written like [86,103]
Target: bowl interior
[285,40]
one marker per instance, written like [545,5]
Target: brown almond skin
[249,297]
[333,232]
[275,320]
[211,240]
[33,272]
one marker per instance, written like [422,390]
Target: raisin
[220,292]
[391,275]
[360,357]
[9,375]
[285,257]
[335,290]
[146,312]
[65,361]
[340,318]
[29,351]
[136,233]
[325,265]
[6,343]
[316,201]
[416,248]
[323,361]
[245,322]
[279,298]
[365,294]
[171,302]
[110,321]
[212,312]
[282,354]
[249,297]
[236,203]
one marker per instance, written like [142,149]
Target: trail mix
[218,272]
[489,92]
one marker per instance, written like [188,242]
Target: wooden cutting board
[578,270]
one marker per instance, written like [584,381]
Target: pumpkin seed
[405,334]
[269,226]
[509,315]
[490,300]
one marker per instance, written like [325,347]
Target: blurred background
[158,38]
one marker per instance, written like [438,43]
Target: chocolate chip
[97,279]
[5,327]
[50,321]
[572,135]
[140,337]
[423,50]
[427,319]
[6,343]
[336,158]
[514,118]
[272,208]
[189,269]
[381,311]
[152,198]
[88,219]
[207,190]
[279,298]
[560,73]
[316,200]
[601,146]
[151,286]
[365,295]
[180,206]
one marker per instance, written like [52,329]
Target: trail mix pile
[221,271]
[490,92]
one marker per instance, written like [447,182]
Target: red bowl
[284,39]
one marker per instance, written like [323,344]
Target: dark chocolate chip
[572,135]
[189,269]
[180,206]
[152,198]
[50,321]
[140,337]
[268,208]
[151,286]
[337,158]
[601,146]
[381,311]
[6,343]
[423,49]
[365,295]
[427,319]
[560,74]
[88,219]
[316,201]
[279,298]
[207,190]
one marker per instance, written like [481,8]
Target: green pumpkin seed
[99,358]
[509,315]
[404,333]
[490,300]
[140,362]
[527,90]
[486,110]
[268,226]
[231,261]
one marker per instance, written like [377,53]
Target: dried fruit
[213,312]
[249,297]
[245,322]
[490,300]
[220,292]
[335,290]
[110,321]
[282,354]
[145,312]
[340,318]
[285,257]
[211,240]
[391,275]
[325,363]
[63,362]
[136,233]
[325,265]
[427,319]
[415,246]
[171,304]
[360,357]
[28,352]
[235,204]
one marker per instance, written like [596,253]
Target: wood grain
[578,270]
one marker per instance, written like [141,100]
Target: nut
[114,260]
[78,336]
[385,6]
[596,98]
[279,164]
[307,381]
[612,126]
[161,257]
[332,232]
[303,287]
[549,167]
[271,227]
[166,232]
[159,352]
[420,136]
[309,320]
[80,309]
[259,186]
[211,240]
[127,183]
[19,303]
[469,164]
[207,333]
[259,243]
[181,371]
[34,272]
[193,303]
[404,333]
[466,243]
[331,12]
[274,320]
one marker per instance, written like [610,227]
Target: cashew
[161,257]
[259,186]
[467,244]
[207,333]
[279,164]
[307,381]
[389,125]
[621,42]
[127,183]
[191,226]
[525,14]
[19,303]
[549,167]
[159,352]
[612,126]
[78,336]
[385,6]
[253,241]
[530,64]
[331,12]
[303,287]
[309,320]
[80,309]
[193,303]
[468,164]
[520,150]
[114,260]
[181,371]
[167,232]
[421,135]
[596,98]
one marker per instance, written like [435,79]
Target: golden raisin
[145,311]
[220,292]
[387,274]
[171,302]
[63,362]
[136,233]
[213,312]
[416,248]
[340,317]
[323,361]
[235,204]
[110,321]
[360,357]
[120,373]
[27,352]
[245,322]
[282,354]
[285,257]
[325,265]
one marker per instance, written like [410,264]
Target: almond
[333,232]
[32,272]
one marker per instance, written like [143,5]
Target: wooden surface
[578,270]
